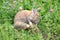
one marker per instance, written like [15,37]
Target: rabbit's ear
[34,11]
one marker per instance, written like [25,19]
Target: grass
[49,22]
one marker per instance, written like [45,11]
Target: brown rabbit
[25,19]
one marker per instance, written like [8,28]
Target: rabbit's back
[22,16]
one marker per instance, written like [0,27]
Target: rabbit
[24,19]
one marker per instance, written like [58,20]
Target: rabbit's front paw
[28,25]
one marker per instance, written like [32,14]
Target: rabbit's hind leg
[37,29]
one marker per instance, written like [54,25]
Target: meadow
[49,22]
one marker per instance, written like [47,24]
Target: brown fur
[22,19]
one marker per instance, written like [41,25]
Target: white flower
[21,0]
[51,10]
[20,8]
[14,2]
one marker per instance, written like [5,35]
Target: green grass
[49,22]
